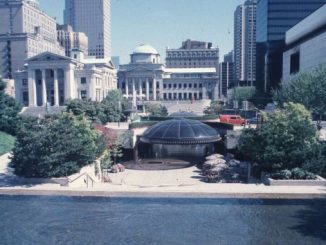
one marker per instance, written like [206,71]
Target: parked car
[233,119]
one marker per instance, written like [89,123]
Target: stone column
[134,93]
[127,87]
[44,92]
[32,89]
[147,89]
[204,91]
[67,84]
[56,87]
[154,88]
[140,87]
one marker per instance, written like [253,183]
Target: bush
[56,146]
[156,110]
[285,141]
[9,110]
[294,174]
[6,143]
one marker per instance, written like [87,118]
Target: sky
[164,23]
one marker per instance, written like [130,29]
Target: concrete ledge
[272,182]
[126,194]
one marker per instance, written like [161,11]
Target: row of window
[180,85]
[182,96]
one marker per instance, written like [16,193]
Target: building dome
[145,49]
[180,131]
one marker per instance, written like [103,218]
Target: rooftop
[145,49]
[180,131]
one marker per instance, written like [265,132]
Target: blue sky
[164,23]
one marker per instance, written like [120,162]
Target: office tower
[25,31]
[245,43]
[93,17]
[274,18]
[226,75]
[69,39]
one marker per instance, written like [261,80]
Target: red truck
[233,119]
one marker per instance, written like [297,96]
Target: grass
[6,143]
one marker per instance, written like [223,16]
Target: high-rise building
[25,31]
[274,18]
[72,40]
[93,17]
[193,54]
[245,43]
[226,75]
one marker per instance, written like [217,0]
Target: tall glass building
[274,18]
[93,17]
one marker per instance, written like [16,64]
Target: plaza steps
[196,107]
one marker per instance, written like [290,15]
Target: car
[253,120]
[233,119]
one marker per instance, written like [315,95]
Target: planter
[272,182]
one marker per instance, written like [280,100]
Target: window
[185,85]
[175,85]
[25,82]
[180,85]
[190,85]
[83,94]
[83,80]
[164,86]
[195,85]
[295,63]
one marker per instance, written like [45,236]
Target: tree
[215,108]
[306,88]
[9,111]
[285,141]
[56,146]
[156,110]
[241,94]
[108,110]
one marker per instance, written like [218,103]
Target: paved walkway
[168,182]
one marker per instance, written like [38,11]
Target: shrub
[9,110]
[294,174]
[55,146]
[285,141]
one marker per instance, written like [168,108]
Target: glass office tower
[274,18]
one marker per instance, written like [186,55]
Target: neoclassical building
[142,78]
[54,79]
[145,78]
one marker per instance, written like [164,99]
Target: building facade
[226,75]
[54,79]
[142,78]
[245,43]
[193,54]
[274,18]
[71,40]
[145,78]
[25,31]
[305,45]
[93,17]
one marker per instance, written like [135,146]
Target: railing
[89,180]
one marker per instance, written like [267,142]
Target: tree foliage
[156,110]
[108,110]
[55,146]
[285,141]
[306,88]
[215,108]
[243,93]
[9,111]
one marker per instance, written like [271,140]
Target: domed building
[179,139]
[142,78]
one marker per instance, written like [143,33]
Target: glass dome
[180,131]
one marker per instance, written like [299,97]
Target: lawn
[6,142]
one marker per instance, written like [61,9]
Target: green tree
[156,110]
[108,110]
[306,88]
[243,93]
[9,111]
[285,141]
[215,108]
[55,146]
